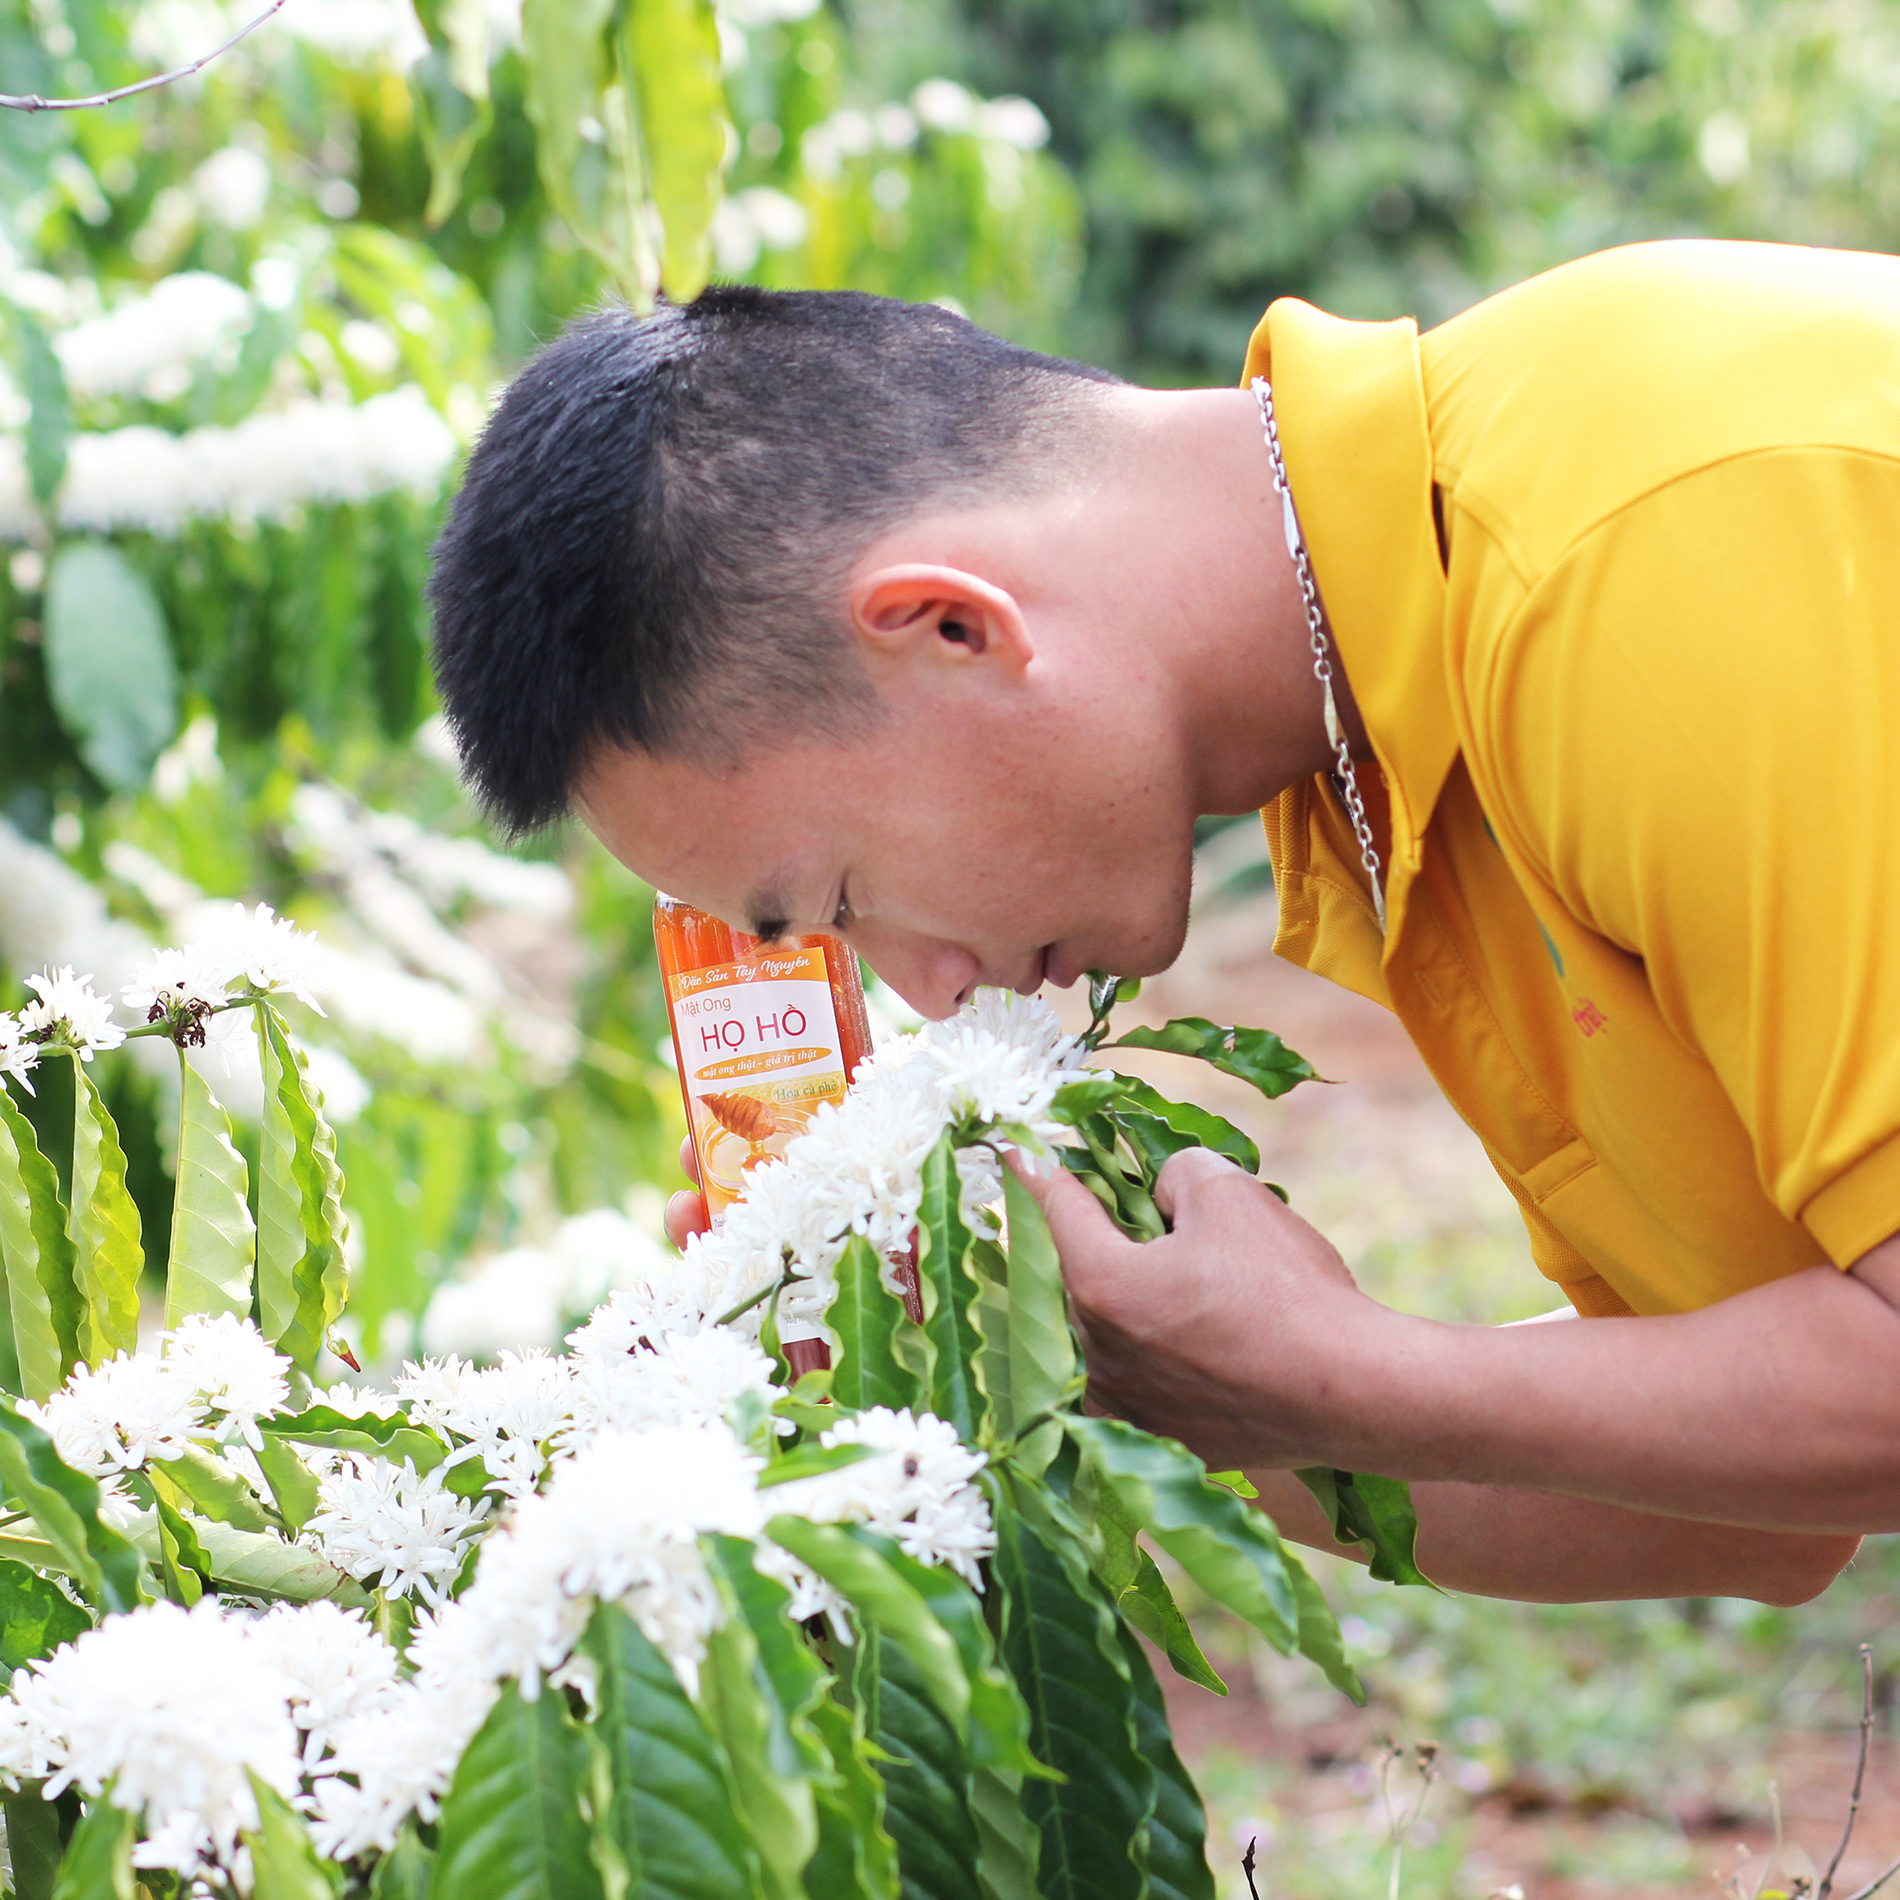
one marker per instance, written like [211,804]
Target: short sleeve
[1693,723]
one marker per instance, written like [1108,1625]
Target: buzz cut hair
[653,537]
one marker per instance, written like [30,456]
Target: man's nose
[932,976]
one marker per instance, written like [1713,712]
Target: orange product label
[759,1049]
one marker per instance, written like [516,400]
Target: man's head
[651,544]
[824,609]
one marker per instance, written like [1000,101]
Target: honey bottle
[763,1032]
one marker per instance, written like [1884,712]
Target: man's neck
[1192,516]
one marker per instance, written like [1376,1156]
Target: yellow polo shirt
[1613,564]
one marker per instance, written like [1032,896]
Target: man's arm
[1242,1333]
[1538,1547]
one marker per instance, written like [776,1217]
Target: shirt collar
[1350,401]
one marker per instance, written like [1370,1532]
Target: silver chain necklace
[1343,775]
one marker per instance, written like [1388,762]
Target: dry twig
[1826,1888]
[32,102]
[1246,1867]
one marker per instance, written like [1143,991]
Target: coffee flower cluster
[255,954]
[501,1504]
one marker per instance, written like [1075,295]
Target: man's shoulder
[1556,403]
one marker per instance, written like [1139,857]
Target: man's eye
[842,915]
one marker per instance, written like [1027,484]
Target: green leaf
[813,1461]
[511,1826]
[98,1863]
[1177,1829]
[265,1566]
[682,105]
[1087,1095]
[301,1278]
[1061,1643]
[215,1491]
[33,1843]
[674,1813]
[1232,1552]
[855,1859]
[109,670]
[383,1435]
[926,1778]
[775,1800]
[999,1734]
[404,1873]
[65,1505]
[587,146]
[36,1615]
[187,1568]
[284,1860]
[450,85]
[867,1319]
[1042,1362]
[1376,1512]
[1149,1605]
[1320,1640]
[1254,1055]
[292,1483]
[887,1601]
[214,1244]
[1186,1126]
[1008,1845]
[43,1299]
[103,1225]
[49,425]
[949,1290]
[788,1670]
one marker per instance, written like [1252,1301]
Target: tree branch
[32,102]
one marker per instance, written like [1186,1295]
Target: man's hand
[1242,1334]
[1235,1333]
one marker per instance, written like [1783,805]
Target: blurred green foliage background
[249,322]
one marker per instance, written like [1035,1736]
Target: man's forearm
[1778,1409]
[1536,1547]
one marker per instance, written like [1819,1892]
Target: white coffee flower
[1001,1058]
[72,1011]
[121,1415]
[918,1490]
[620,1522]
[403,1756]
[508,1413]
[337,1666]
[18,1057]
[385,1524]
[195,978]
[353,1401]
[270,953]
[675,1378]
[233,1370]
[27,1745]
[172,1708]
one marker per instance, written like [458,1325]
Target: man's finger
[1186,1176]
[689,1161]
[686,1216]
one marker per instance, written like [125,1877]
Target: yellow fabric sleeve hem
[1853,1214]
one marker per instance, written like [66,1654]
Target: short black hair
[652,533]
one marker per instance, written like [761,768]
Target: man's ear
[938,615]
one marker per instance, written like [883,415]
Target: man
[828,611]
